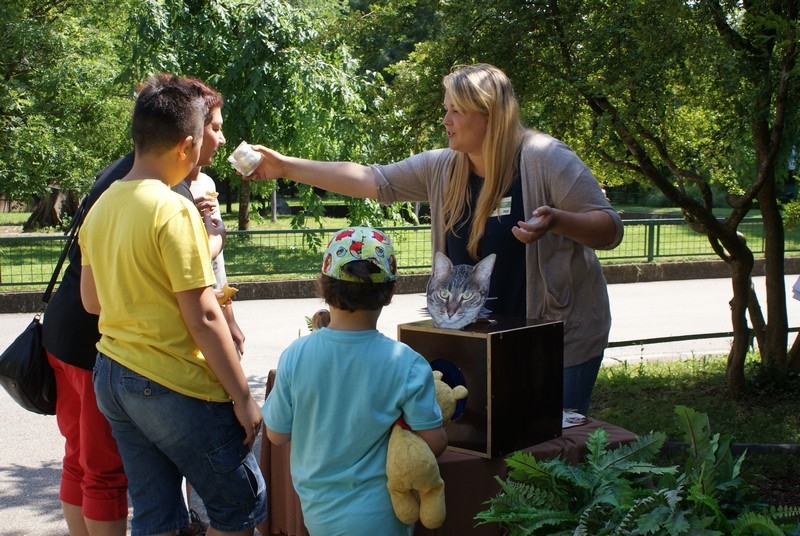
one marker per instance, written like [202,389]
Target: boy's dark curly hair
[352,296]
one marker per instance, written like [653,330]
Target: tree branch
[731,36]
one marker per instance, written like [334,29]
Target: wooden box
[513,369]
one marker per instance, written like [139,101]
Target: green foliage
[314,208]
[791,214]
[385,33]
[664,69]
[620,491]
[62,113]
[286,84]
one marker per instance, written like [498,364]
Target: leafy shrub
[620,491]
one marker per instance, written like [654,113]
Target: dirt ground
[10,230]
[16,230]
[782,489]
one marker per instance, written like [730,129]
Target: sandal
[196,528]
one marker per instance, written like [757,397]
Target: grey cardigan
[564,279]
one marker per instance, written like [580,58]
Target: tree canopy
[62,107]
[284,84]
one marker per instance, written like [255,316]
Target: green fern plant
[621,491]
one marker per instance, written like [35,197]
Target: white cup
[245,159]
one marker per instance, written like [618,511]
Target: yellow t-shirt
[145,243]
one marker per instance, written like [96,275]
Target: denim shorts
[163,436]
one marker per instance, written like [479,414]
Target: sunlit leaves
[62,115]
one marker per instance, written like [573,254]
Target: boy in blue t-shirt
[339,390]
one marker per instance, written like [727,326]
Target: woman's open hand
[535,227]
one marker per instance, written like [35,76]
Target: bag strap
[71,232]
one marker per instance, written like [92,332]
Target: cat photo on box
[456,294]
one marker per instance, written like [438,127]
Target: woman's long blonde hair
[485,89]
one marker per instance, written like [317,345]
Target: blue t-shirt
[338,393]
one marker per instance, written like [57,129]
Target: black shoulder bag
[25,372]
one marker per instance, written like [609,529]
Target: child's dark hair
[352,296]
[168,108]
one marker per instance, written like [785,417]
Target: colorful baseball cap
[360,244]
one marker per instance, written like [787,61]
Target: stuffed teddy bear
[319,320]
[411,466]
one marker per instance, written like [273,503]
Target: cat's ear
[441,264]
[483,270]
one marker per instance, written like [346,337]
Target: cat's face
[456,294]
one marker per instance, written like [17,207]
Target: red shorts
[92,476]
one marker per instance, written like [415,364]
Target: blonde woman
[500,188]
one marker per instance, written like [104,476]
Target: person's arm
[236,332]
[436,438]
[208,206]
[346,178]
[215,230]
[204,319]
[89,291]
[594,229]
[277,438]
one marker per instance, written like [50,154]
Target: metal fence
[28,261]
[649,240]
[297,253]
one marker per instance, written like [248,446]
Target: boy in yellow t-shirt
[167,375]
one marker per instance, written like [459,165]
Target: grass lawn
[642,396]
[13,218]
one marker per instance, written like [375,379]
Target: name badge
[503,208]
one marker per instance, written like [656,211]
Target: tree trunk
[757,318]
[741,268]
[774,352]
[228,198]
[49,211]
[244,205]
[723,235]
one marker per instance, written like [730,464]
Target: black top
[507,286]
[69,332]
[183,189]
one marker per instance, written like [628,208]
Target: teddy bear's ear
[437,375]
[452,376]
[320,320]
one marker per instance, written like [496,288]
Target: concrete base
[678,271]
